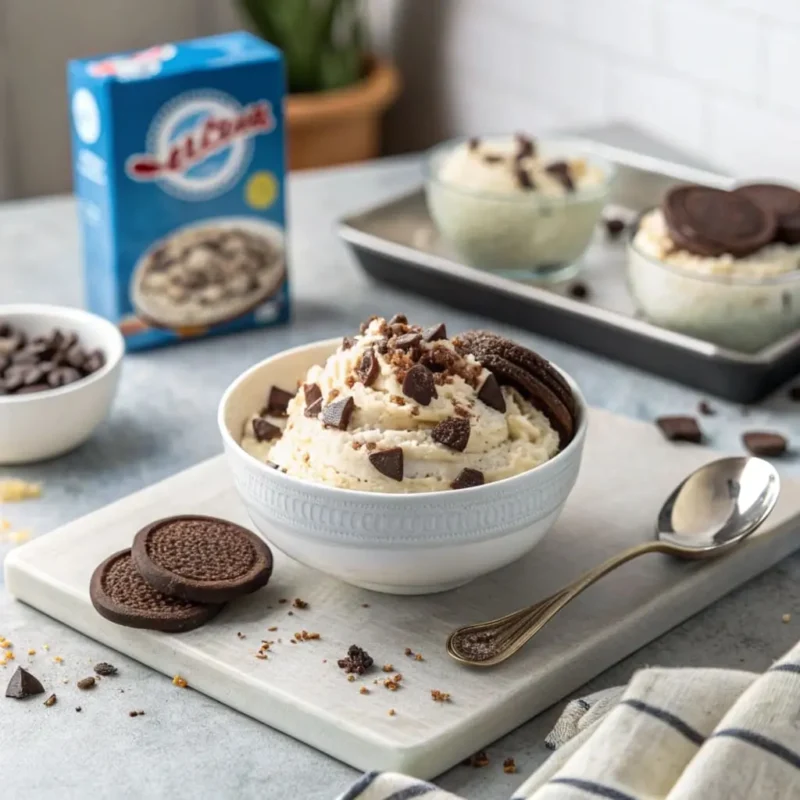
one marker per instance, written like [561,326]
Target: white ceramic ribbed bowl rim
[113,346]
[505,486]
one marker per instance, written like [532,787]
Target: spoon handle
[516,629]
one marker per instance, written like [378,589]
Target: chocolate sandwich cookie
[783,202]
[530,374]
[711,222]
[120,594]
[201,559]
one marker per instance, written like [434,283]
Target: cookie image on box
[209,273]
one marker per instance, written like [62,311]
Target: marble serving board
[627,471]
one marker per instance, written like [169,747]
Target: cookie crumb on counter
[351,678]
[392,712]
[786,618]
[51,701]
[478,760]
[388,667]
[408,652]
[13,490]
[509,766]
[273,629]
[440,697]
[418,657]
[363,690]
[180,682]
[298,603]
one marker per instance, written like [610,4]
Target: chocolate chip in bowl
[59,370]
[416,439]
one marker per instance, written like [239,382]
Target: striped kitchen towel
[671,734]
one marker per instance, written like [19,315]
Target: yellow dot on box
[261,190]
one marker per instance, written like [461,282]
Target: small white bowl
[34,427]
[395,543]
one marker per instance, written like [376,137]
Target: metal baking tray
[397,243]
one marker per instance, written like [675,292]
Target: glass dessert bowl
[449,510]
[743,301]
[521,208]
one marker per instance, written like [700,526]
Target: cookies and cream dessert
[399,408]
[512,203]
[721,265]
[207,275]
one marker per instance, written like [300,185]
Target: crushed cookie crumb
[45,647]
[351,678]
[51,701]
[786,618]
[350,381]
[388,668]
[58,659]
[363,690]
[509,766]
[392,712]
[273,628]
[356,661]
[365,605]
[298,603]
[179,682]
[87,683]
[240,635]
[332,395]
[393,684]
[6,645]
[478,760]
[262,656]
[371,446]
[418,657]
[356,445]
[31,652]
[397,400]
[408,652]
[283,600]
[306,636]
[14,490]
[440,697]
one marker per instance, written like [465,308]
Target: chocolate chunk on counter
[23,684]
[278,401]
[105,669]
[468,478]
[419,385]
[765,443]
[434,333]
[338,413]
[265,431]
[453,433]
[368,368]
[357,661]
[492,395]
[680,429]
[388,462]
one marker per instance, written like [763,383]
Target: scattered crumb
[51,701]
[509,766]
[6,645]
[241,635]
[105,669]
[786,618]
[365,605]
[87,683]
[273,628]
[292,641]
[440,697]
[298,603]
[283,600]
[705,409]
[31,652]
[306,636]
[388,667]
[78,709]
[58,659]
[262,656]
[363,690]
[179,682]
[477,760]
[393,684]
[351,678]
[45,647]
[136,713]
[392,712]
[324,660]
[408,651]
[291,613]
[418,657]
[14,490]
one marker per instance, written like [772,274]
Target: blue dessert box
[178,157]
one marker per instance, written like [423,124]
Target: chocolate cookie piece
[338,413]
[265,431]
[468,478]
[453,433]
[388,462]
[530,374]
[680,429]
[419,385]
[368,368]
[492,395]
[201,559]
[278,402]
[120,594]
[783,202]
[765,443]
[711,222]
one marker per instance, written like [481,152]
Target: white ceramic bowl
[34,427]
[395,543]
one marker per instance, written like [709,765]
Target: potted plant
[338,89]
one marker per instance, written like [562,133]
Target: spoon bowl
[712,511]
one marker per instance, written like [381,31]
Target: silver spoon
[712,511]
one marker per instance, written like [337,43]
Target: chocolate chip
[337,414]
[368,368]
[435,333]
[453,433]
[407,341]
[680,429]
[62,376]
[87,683]
[278,401]
[419,385]
[105,669]
[492,395]
[492,158]
[388,462]
[399,319]
[705,409]
[264,430]
[560,171]
[525,148]
[579,290]
[94,361]
[765,443]
[313,396]
[614,227]
[468,478]
[347,342]
[23,684]
[524,179]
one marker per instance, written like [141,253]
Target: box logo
[143,64]
[200,144]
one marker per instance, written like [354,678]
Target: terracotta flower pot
[340,126]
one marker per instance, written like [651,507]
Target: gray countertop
[186,745]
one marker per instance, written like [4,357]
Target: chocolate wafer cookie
[533,376]
[120,594]
[201,559]
[711,222]
[783,202]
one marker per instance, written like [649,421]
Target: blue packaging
[178,158]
